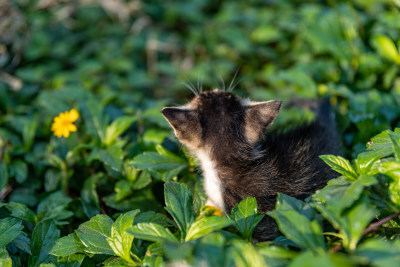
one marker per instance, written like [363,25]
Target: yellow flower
[217,211]
[63,123]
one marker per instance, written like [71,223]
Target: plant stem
[370,228]
[375,225]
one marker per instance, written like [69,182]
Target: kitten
[227,135]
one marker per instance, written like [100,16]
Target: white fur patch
[212,184]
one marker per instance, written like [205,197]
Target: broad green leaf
[178,201]
[308,259]
[117,262]
[120,241]
[22,242]
[152,232]
[74,260]
[19,210]
[380,252]
[5,260]
[206,225]
[164,164]
[212,244]
[153,217]
[94,233]
[392,169]
[340,196]
[246,218]
[3,174]
[395,138]
[244,255]
[92,113]
[277,256]
[298,228]
[89,195]
[44,237]
[28,132]
[366,161]
[67,245]
[143,180]
[55,207]
[340,165]
[357,219]
[111,156]
[352,222]
[117,127]
[383,144]
[10,228]
[20,170]
[386,48]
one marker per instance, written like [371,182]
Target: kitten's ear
[184,122]
[258,117]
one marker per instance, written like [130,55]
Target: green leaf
[22,242]
[380,252]
[143,180]
[340,196]
[3,174]
[10,228]
[5,260]
[20,170]
[308,259]
[67,245]
[340,165]
[89,195]
[276,256]
[244,255]
[298,228]
[120,241]
[392,169]
[19,210]
[386,48]
[352,222]
[383,144]
[152,232]
[246,218]
[153,217]
[395,138]
[212,244]
[44,237]
[74,260]
[92,113]
[112,156]
[206,225]
[164,163]
[55,207]
[117,127]
[178,201]
[366,162]
[94,233]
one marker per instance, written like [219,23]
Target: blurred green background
[119,62]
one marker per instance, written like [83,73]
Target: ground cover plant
[91,174]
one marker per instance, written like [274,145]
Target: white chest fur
[212,184]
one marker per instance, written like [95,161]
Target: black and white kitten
[227,135]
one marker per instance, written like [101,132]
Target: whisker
[232,85]
[222,82]
[191,88]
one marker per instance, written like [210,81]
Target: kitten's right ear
[259,116]
[184,121]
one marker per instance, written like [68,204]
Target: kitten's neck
[221,163]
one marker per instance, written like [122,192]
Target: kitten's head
[217,118]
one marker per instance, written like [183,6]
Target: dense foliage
[120,190]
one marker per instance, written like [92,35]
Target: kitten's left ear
[258,117]
[184,122]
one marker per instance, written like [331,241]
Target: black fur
[277,163]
